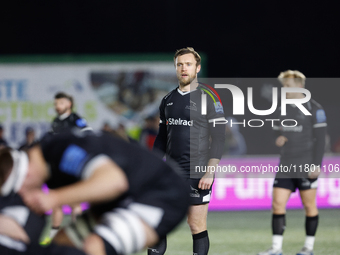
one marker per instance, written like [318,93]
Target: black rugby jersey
[72,156]
[307,139]
[71,121]
[188,131]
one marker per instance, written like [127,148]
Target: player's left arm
[81,123]
[319,136]
[217,126]
[208,178]
[9,227]
[107,181]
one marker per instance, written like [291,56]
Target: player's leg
[280,199]
[120,231]
[197,221]
[118,243]
[159,248]
[56,218]
[197,217]
[308,198]
[282,190]
[141,221]
[62,238]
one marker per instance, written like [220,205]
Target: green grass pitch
[249,232]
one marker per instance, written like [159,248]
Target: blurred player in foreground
[134,201]
[189,138]
[301,145]
[20,228]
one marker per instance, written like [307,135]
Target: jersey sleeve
[161,139]
[70,156]
[81,123]
[214,109]
[319,133]
[319,117]
[217,131]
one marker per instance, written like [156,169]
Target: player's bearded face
[186,69]
[62,105]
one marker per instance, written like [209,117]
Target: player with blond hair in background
[302,145]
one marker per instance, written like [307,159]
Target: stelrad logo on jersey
[179,122]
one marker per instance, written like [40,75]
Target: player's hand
[281,140]
[315,173]
[206,181]
[39,202]
[76,211]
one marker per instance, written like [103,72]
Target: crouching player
[20,228]
[133,201]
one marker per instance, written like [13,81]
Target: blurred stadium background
[115,58]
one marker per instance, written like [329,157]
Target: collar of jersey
[184,93]
[64,116]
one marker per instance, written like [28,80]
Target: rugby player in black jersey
[189,137]
[65,120]
[20,228]
[302,145]
[131,191]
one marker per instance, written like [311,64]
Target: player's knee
[311,209]
[61,238]
[94,245]
[196,226]
[278,206]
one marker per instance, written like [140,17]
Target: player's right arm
[280,141]
[103,182]
[107,182]
[161,139]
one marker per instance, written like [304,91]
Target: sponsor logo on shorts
[305,183]
[195,194]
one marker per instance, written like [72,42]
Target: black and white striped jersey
[12,206]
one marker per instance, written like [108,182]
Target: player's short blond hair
[295,74]
[188,50]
